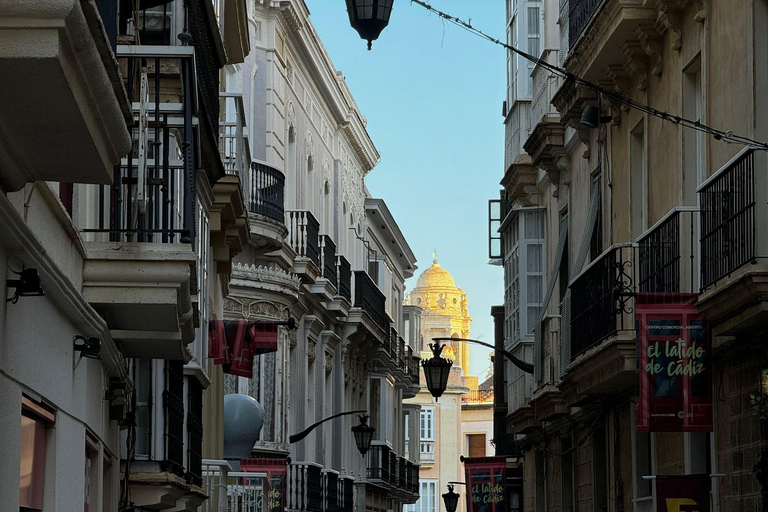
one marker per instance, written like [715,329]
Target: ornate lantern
[369,17]
[436,371]
[451,499]
[363,435]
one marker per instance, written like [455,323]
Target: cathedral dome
[435,277]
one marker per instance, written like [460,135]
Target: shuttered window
[476,445]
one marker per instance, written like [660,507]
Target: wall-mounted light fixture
[90,347]
[591,117]
[27,285]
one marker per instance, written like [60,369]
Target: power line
[727,136]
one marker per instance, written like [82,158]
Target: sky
[432,94]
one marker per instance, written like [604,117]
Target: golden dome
[435,277]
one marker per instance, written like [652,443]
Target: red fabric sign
[277,471]
[682,493]
[486,479]
[233,343]
[674,370]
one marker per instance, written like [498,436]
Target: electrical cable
[726,136]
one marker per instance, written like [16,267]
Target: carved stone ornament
[311,350]
[310,143]
[292,339]
[291,115]
[328,363]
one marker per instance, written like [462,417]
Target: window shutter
[476,445]
[565,333]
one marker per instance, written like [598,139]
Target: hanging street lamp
[369,17]
[437,369]
[451,499]
[363,432]
[363,435]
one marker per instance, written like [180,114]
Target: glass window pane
[534,257]
[534,292]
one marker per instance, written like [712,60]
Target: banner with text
[486,482]
[682,493]
[674,364]
[277,471]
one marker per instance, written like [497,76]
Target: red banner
[682,493]
[233,343]
[277,471]
[674,371]
[486,483]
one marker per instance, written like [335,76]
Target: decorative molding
[310,145]
[328,362]
[670,19]
[267,275]
[637,63]
[650,42]
[311,349]
[291,116]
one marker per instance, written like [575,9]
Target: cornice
[273,279]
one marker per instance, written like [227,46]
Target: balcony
[215,478]
[368,320]
[65,112]
[427,452]
[602,338]
[304,239]
[505,445]
[305,482]
[325,287]
[545,85]
[668,254]
[734,219]
[331,491]
[347,493]
[140,270]
[264,196]
[234,147]
[386,355]
[378,468]
[579,14]
[342,301]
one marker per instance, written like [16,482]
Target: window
[698,453]
[534,40]
[407,435]
[373,271]
[375,408]
[534,267]
[596,242]
[693,140]
[643,447]
[476,445]
[427,498]
[35,422]
[142,377]
[204,264]
[427,423]
[91,472]
[563,271]
[66,194]
[106,489]
[524,274]
[638,192]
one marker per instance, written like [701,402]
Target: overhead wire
[727,136]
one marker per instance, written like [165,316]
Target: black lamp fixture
[27,285]
[363,432]
[436,371]
[450,498]
[591,117]
[363,435]
[369,17]
[90,347]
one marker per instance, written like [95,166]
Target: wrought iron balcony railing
[505,445]
[667,254]
[413,477]
[215,485]
[401,353]
[328,259]
[207,64]
[347,495]
[378,462]
[152,198]
[579,14]
[344,277]
[601,298]
[402,472]
[331,491]
[233,142]
[393,471]
[304,234]
[305,482]
[265,194]
[728,234]
[370,299]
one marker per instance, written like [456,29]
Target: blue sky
[432,94]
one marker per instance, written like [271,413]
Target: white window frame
[428,488]
[427,424]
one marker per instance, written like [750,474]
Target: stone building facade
[646,206]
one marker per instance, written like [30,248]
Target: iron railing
[601,298]
[207,64]
[305,482]
[265,195]
[402,472]
[173,411]
[347,493]
[215,485]
[195,433]
[728,219]
[393,468]
[233,142]
[370,299]
[427,451]
[667,254]
[344,277]
[579,14]
[413,477]
[401,353]
[328,259]
[152,198]
[378,462]
[505,444]
[304,234]
[331,491]
[478,396]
